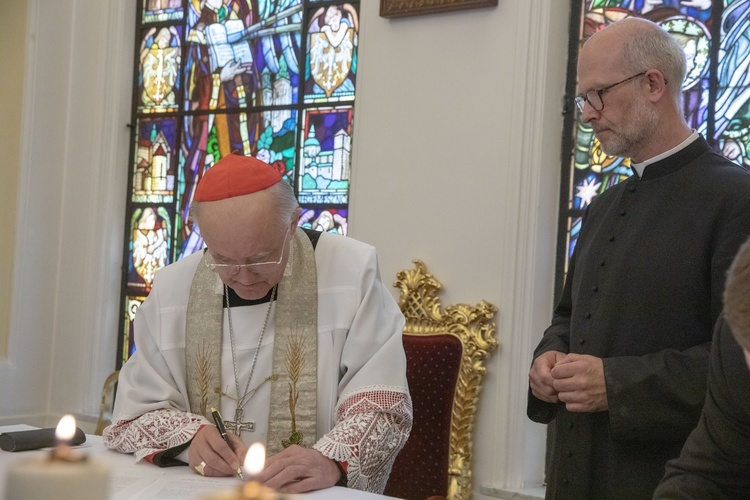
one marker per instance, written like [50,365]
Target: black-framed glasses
[256,267]
[594,97]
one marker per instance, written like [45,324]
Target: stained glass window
[273,79]
[716,95]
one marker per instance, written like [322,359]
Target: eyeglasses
[256,267]
[594,97]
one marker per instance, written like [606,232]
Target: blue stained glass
[574,227]
[155,157]
[732,108]
[278,55]
[238,59]
[325,156]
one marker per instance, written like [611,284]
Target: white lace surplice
[363,407]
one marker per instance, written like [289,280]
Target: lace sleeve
[373,425]
[152,432]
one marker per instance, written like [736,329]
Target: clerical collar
[640,167]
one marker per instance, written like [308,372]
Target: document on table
[136,481]
[167,488]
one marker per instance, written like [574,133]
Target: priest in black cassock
[621,372]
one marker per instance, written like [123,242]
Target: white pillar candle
[43,478]
[62,475]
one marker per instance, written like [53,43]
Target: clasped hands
[294,470]
[575,379]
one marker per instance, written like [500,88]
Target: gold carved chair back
[446,350]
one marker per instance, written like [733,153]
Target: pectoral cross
[237,425]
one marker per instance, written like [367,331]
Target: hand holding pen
[223,431]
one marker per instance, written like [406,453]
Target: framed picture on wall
[403,8]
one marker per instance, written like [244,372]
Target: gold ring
[199,468]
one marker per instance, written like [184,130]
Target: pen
[220,425]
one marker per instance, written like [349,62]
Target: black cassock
[643,292]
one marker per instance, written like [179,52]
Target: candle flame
[66,428]
[255,458]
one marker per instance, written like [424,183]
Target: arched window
[716,38]
[273,79]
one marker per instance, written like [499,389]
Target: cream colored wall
[12,38]
[70,209]
[456,162]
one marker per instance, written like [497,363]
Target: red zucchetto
[235,175]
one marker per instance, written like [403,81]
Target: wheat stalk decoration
[295,362]
[204,370]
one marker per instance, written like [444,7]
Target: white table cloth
[144,481]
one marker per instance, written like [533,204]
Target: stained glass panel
[331,69]
[327,220]
[325,156]
[149,246]
[731,112]
[160,57]
[162,10]
[155,158]
[237,60]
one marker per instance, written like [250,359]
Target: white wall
[456,162]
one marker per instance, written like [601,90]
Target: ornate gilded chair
[446,350]
[108,402]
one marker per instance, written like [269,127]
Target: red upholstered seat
[445,354]
[432,365]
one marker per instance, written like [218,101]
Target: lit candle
[64,433]
[255,459]
[62,475]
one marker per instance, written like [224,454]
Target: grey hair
[286,202]
[657,49]
[282,195]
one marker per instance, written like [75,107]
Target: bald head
[633,71]
[636,45]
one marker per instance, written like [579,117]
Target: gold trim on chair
[108,402]
[473,326]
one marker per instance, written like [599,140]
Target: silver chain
[241,399]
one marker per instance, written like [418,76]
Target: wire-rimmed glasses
[594,97]
[256,267]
